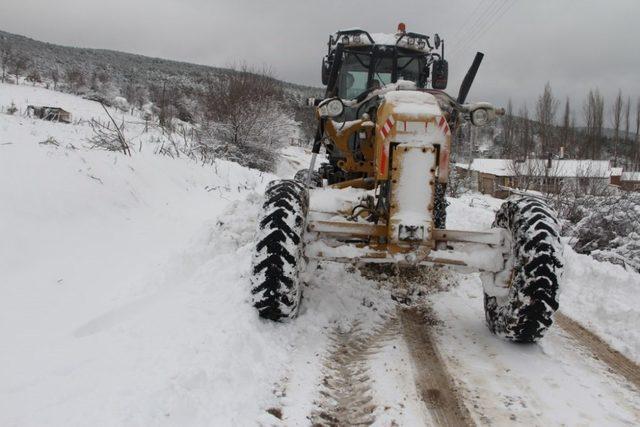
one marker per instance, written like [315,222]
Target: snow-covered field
[124,300]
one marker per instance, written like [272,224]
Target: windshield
[383,72]
[386,68]
[409,68]
[354,76]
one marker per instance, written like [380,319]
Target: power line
[480,21]
[505,7]
[478,26]
[505,10]
[499,14]
[456,37]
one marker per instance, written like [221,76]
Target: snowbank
[603,297]
[124,297]
[120,302]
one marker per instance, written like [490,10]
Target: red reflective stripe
[383,159]
[386,128]
[444,126]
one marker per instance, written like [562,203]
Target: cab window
[409,68]
[354,75]
[382,72]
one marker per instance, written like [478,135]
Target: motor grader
[386,126]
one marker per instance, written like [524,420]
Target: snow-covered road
[124,300]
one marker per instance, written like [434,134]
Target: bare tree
[574,146]
[525,133]
[616,117]
[637,139]
[546,108]
[54,73]
[6,57]
[565,130]
[523,173]
[508,131]
[34,77]
[163,106]
[627,113]
[598,121]
[542,175]
[18,65]
[246,118]
[74,77]
[593,111]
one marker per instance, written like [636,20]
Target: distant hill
[122,67]
[610,133]
[104,75]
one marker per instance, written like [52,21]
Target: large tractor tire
[520,301]
[278,254]
[440,206]
[302,176]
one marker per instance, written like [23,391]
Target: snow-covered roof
[498,167]
[389,39]
[384,38]
[630,176]
[616,171]
[536,167]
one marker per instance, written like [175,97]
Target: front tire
[303,174]
[278,254]
[440,206]
[520,301]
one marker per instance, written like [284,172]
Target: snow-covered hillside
[123,293]
[124,300]
[104,290]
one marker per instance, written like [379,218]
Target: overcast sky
[574,44]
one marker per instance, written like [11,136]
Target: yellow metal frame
[372,143]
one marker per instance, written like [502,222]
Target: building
[54,114]
[616,176]
[630,181]
[498,176]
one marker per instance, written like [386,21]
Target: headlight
[335,107]
[422,44]
[331,108]
[480,117]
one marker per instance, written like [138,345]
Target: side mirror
[437,40]
[440,74]
[326,69]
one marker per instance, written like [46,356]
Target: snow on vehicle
[387,137]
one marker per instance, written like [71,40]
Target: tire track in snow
[616,361]
[346,397]
[435,384]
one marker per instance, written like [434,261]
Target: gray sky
[575,44]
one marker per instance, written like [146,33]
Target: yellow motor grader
[386,125]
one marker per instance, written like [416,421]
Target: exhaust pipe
[468,79]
